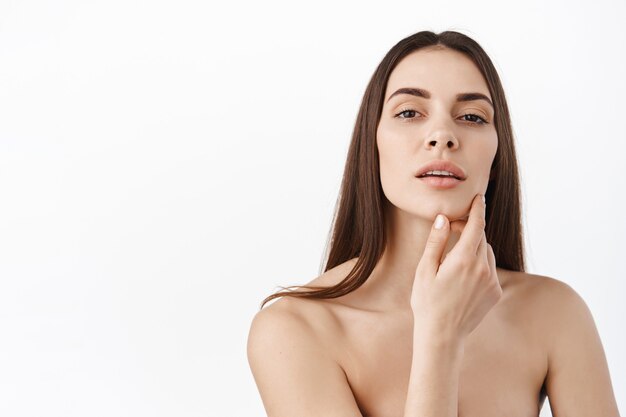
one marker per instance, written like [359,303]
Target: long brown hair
[358,222]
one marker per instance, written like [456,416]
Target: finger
[457,226]
[435,245]
[472,233]
[481,251]
[492,261]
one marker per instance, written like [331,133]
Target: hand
[450,298]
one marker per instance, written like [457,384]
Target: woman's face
[416,130]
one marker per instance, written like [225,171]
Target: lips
[442,165]
[440,182]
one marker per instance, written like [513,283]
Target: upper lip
[441,165]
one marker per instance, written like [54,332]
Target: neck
[391,281]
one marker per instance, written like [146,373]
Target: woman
[424,308]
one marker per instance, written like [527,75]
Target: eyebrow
[420,92]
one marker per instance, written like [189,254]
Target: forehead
[443,72]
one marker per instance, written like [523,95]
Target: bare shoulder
[305,317]
[541,304]
[294,369]
[577,365]
[541,292]
[313,319]
[559,306]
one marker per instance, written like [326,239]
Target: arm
[449,299]
[294,374]
[578,381]
[434,381]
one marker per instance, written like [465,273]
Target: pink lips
[440,182]
[441,165]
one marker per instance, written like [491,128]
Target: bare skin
[503,369]
[505,365]
[362,353]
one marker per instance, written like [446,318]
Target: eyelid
[485,119]
[403,109]
[485,114]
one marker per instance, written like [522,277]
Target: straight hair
[357,228]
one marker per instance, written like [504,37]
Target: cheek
[493,148]
[488,145]
[488,154]
[394,161]
[393,155]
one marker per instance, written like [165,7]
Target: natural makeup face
[414,130]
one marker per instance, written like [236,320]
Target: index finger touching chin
[458,226]
[473,231]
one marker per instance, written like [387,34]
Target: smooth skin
[307,356]
[449,300]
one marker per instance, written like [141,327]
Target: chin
[453,210]
[430,213]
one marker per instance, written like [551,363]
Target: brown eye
[410,115]
[471,115]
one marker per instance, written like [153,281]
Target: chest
[502,371]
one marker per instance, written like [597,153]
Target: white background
[166,165]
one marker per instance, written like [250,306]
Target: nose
[441,139]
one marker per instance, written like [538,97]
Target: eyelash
[484,122]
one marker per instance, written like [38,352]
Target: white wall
[166,165]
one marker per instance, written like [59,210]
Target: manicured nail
[439,222]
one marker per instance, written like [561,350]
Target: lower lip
[440,182]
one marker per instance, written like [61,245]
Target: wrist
[438,338]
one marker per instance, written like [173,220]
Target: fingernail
[439,221]
[483,197]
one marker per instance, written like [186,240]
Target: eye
[408,114]
[482,121]
[404,112]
